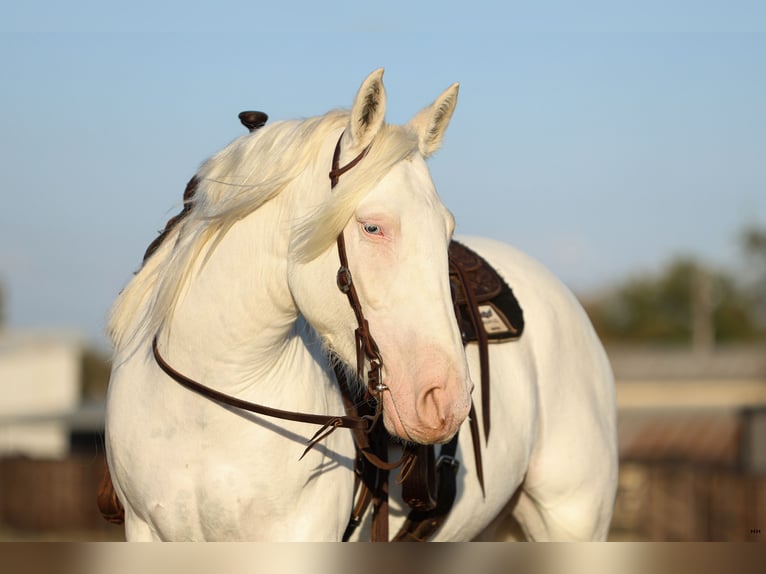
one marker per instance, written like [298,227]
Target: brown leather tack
[108,503]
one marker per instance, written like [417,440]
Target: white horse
[241,296]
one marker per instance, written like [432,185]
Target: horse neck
[235,323]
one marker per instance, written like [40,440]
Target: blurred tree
[754,240]
[684,303]
[754,243]
[95,374]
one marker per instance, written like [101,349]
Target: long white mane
[235,182]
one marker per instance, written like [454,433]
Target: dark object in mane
[191,189]
[253,120]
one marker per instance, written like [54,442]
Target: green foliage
[95,374]
[2,306]
[666,307]
[754,244]
[754,241]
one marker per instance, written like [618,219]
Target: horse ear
[431,122]
[368,111]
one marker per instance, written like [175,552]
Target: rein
[327,421]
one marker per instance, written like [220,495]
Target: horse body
[241,295]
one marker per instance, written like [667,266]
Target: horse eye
[372,229]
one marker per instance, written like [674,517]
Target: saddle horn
[253,120]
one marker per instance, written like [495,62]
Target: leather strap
[106,498]
[419,485]
[371,464]
[475,318]
[366,347]
[421,524]
[336,171]
[374,446]
[327,421]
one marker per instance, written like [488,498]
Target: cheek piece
[366,347]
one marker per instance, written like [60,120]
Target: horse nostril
[432,409]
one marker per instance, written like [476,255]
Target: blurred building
[51,446]
[40,376]
[692,440]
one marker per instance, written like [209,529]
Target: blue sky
[603,138]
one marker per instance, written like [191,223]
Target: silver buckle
[450,461]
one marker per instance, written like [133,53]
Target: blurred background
[623,144]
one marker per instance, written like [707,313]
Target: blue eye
[372,229]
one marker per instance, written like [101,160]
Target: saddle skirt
[500,312]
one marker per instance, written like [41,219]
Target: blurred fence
[53,498]
[56,499]
[688,502]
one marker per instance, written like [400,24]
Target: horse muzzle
[432,415]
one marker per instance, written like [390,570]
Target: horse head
[396,233]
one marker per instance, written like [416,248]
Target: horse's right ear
[368,112]
[431,122]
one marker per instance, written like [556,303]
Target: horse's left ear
[431,122]
[368,111]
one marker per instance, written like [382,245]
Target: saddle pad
[501,315]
